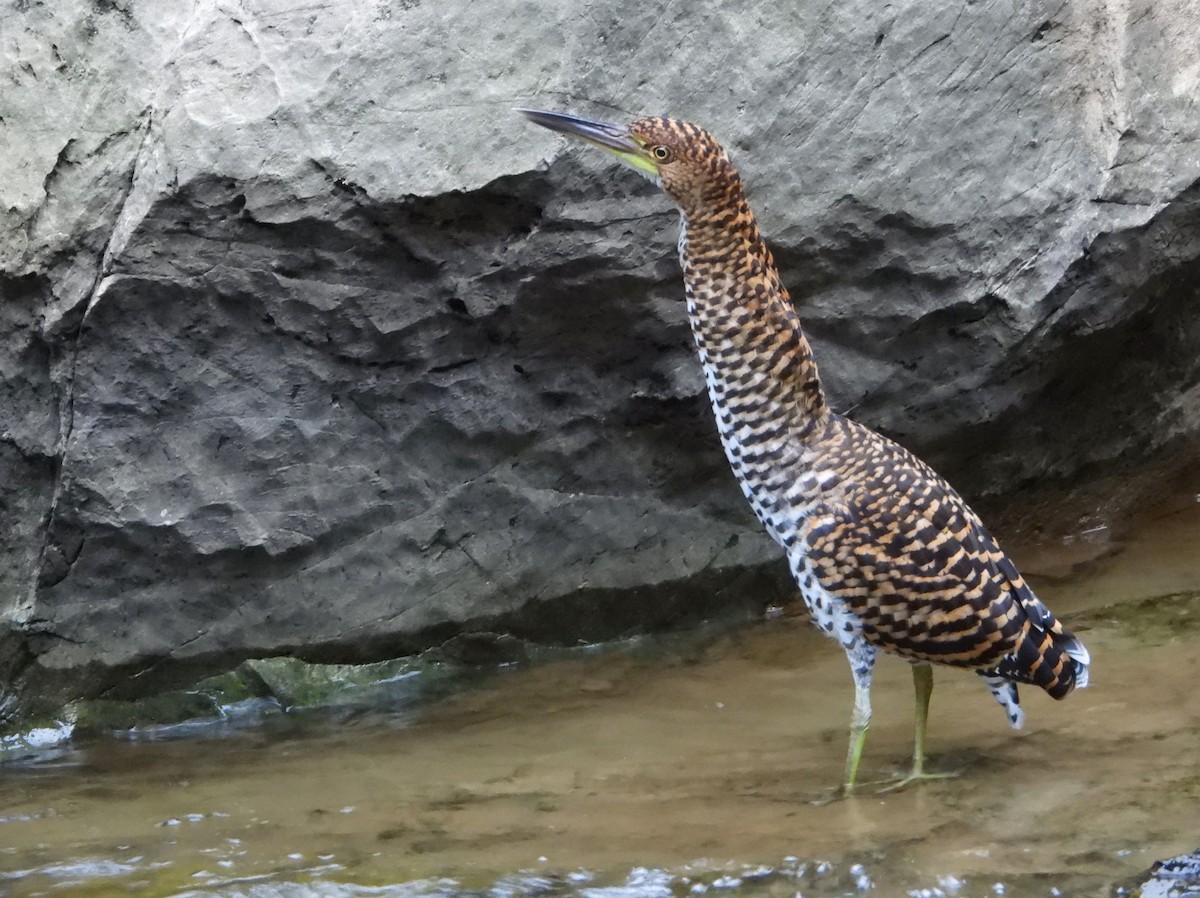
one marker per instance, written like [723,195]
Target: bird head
[683,159]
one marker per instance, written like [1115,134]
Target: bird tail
[1048,654]
[1079,658]
[1055,661]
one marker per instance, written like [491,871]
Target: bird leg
[859,721]
[923,688]
[861,655]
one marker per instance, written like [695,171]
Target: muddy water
[680,766]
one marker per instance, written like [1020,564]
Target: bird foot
[916,776]
[829,798]
[844,791]
[889,785]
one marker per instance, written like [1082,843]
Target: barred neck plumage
[754,351]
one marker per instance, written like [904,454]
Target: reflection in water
[677,766]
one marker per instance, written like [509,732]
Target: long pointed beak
[616,139]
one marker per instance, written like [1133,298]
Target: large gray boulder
[310,346]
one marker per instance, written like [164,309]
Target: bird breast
[779,473]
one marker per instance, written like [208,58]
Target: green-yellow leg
[859,722]
[922,688]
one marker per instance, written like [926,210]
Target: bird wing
[918,568]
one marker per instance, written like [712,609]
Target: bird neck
[754,351]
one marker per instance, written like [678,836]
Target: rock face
[310,346]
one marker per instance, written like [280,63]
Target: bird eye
[662,154]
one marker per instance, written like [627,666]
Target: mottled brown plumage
[886,554]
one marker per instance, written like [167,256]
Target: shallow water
[682,765]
